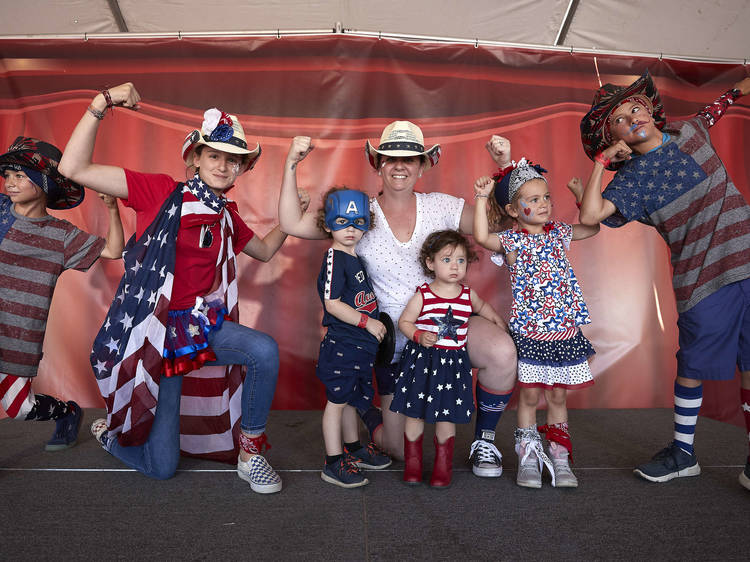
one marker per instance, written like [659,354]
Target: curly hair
[439,240]
[497,218]
[320,221]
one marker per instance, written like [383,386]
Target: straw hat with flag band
[220,131]
[404,139]
[595,134]
[39,160]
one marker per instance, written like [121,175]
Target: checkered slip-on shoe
[259,474]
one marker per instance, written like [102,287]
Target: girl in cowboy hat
[35,248]
[176,309]
[669,176]
[547,311]
[350,315]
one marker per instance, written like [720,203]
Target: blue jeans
[233,344]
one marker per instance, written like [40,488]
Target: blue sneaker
[371,457]
[745,476]
[66,429]
[343,473]
[671,462]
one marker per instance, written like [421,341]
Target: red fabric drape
[341,91]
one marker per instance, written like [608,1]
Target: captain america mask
[352,206]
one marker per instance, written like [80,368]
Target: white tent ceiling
[698,29]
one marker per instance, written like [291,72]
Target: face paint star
[447,326]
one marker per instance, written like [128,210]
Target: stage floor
[82,503]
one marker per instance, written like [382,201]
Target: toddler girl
[434,381]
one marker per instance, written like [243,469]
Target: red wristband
[363,320]
[603,160]
[416,334]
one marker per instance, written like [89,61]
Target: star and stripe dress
[548,309]
[434,384]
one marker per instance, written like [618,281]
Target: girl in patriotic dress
[434,384]
[547,311]
[176,309]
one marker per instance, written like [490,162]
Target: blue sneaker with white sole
[669,463]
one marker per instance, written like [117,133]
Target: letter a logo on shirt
[352,208]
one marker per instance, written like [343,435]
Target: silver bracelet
[95,112]
[477,196]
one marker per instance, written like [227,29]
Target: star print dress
[434,384]
[548,309]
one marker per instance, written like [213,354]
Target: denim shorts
[714,335]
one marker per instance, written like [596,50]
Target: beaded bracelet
[95,112]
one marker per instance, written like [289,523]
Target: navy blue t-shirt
[343,276]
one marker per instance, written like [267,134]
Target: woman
[390,250]
[185,309]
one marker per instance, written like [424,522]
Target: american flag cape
[127,352]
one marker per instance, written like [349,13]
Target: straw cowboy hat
[39,160]
[220,131]
[402,138]
[595,134]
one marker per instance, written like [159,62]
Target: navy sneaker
[66,429]
[343,473]
[371,457]
[745,476]
[671,462]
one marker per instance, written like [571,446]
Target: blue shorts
[715,335]
[346,372]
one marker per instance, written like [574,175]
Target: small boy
[35,248]
[350,314]
[670,177]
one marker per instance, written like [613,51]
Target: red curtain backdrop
[340,91]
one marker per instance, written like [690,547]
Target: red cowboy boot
[442,472]
[413,460]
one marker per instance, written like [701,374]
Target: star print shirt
[546,294]
[682,189]
[33,254]
[195,267]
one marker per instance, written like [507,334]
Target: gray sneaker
[531,458]
[529,474]
[564,477]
